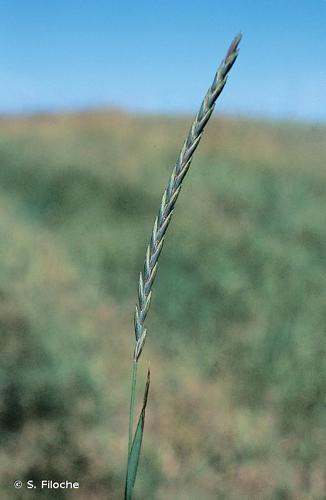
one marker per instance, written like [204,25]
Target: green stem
[132,404]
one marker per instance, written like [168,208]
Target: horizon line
[107,108]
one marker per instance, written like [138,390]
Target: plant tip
[234,45]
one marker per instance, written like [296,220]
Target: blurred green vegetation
[237,326]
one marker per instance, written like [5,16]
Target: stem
[132,403]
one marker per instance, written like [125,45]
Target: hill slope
[237,327]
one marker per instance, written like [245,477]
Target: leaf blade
[133,458]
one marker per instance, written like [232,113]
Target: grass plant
[161,224]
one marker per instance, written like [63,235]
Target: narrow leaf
[134,455]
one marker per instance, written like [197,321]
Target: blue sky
[160,56]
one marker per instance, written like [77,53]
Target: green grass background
[236,332]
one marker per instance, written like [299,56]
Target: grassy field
[236,335]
